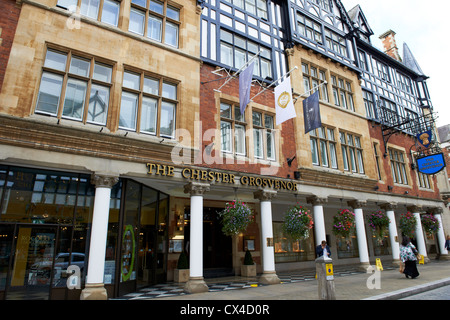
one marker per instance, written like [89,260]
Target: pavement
[388,284]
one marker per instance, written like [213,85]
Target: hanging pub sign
[425,138]
[431,164]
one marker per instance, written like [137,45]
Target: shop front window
[381,246]
[347,247]
[38,196]
[49,212]
[287,250]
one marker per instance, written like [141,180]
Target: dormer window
[324,4]
[309,28]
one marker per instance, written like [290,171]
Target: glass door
[147,237]
[6,242]
[31,270]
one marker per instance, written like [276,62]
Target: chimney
[389,44]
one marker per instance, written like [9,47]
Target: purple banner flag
[245,83]
[311,112]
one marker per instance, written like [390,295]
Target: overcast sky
[424,26]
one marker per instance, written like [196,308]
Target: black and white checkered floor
[234,283]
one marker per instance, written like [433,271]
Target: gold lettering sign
[222,177]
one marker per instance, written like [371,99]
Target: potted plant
[407,224]
[430,223]
[297,223]
[344,223]
[379,223]
[181,273]
[235,218]
[248,269]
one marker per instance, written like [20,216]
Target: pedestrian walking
[447,243]
[408,257]
[323,249]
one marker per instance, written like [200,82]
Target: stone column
[419,232]
[357,206]
[441,235]
[196,282]
[393,234]
[319,220]
[269,275]
[95,288]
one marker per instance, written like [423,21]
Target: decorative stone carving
[103,181]
[264,195]
[196,188]
[315,200]
[357,204]
[437,210]
[388,206]
[414,208]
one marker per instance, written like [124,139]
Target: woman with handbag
[408,256]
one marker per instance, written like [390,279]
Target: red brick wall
[402,141]
[9,16]
[209,112]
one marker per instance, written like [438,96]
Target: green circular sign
[128,249]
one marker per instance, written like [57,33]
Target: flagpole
[237,72]
[314,88]
[285,75]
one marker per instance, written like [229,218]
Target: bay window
[156,20]
[74,87]
[398,166]
[102,10]
[148,105]
[232,129]
[263,135]
[323,147]
[235,51]
[352,152]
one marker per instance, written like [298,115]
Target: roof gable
[359,20]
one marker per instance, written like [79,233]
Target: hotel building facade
[122,140]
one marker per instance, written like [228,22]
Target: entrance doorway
[143,239]
[30,251]
[217,247]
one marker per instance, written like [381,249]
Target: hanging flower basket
[430,223]
[379,223]
[407,224]
[236,217]
[297,223]
[344,223]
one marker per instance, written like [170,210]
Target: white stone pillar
[420,239]
[393,234]
[441,235]
[94,288]
[269,275]
[196,282]
[319,220]
[357,206]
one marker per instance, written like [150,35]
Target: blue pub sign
[431,164]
